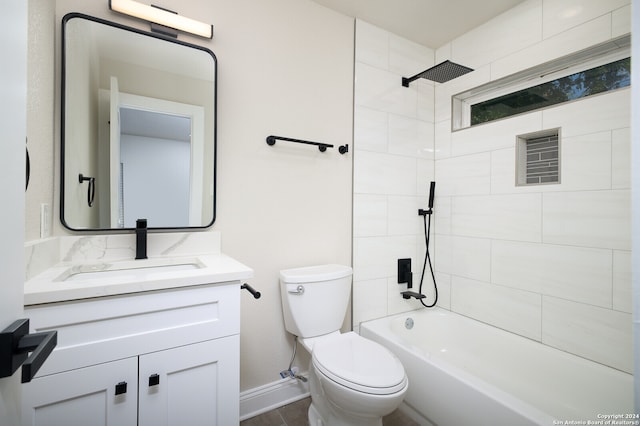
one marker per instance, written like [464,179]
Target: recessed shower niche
[138,123]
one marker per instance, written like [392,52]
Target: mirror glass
[138,128]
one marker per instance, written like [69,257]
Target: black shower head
[440,73]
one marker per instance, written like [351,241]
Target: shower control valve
[404,272]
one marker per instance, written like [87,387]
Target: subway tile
[575,273]
[554,47]
[495,135]
[370,258]
[410,137]
[369,300]
[469,174]
[593,114]
[376,257]
[585,162]
[408,58]
[403,215]
[370,129]
[426,173]
[588,219]
[442,139]
[383,91]
[503,172]
[621,158]
[443,281]
[462,256]
[508,217]
[622,287]
[372,45]
[426,102]
[621,21]
[510,309]
[559,16]
[369,215]
[505,34]
[599,334]
[376,173]
[441,214]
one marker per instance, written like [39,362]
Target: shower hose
[427,259]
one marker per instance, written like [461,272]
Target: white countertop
[130,276]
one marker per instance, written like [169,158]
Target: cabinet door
[197,384]
[86,396]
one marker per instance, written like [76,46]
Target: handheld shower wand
[427,256]
[432,191]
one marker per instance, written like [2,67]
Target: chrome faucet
[141,239]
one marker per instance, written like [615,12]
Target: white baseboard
[271,396]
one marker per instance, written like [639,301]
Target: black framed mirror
[138,128]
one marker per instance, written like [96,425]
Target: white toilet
[353,381]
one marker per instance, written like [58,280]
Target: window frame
[461,103]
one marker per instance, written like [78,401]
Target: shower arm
[408,80]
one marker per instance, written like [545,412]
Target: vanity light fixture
[162,17]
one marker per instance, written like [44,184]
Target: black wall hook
[91,191]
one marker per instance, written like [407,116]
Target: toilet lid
[359,364]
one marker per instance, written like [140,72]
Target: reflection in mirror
[139,114]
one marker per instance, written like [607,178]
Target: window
[598,69]
[600,79]
[538,158]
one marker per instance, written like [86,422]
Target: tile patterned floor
[295,414]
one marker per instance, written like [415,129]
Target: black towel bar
[271,140]
[256,294]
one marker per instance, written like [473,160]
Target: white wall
[553,262]
[549,262]
[393,165]
[40,114]
[285,67]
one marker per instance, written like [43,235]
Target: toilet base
[316,420]
[322,412]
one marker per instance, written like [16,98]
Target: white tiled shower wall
[549,262]
[393,165]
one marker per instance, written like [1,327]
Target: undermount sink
[127,269]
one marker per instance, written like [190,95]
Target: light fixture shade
[162,17]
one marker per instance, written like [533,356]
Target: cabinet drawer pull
[154,380]
[121,388]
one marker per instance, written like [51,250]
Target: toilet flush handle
[299,290]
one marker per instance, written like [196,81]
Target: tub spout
[410,294]
[141,239]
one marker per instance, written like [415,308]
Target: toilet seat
[359,364]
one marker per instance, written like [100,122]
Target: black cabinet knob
[121,388]
[154,380]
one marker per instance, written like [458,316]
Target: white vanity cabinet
[177,350]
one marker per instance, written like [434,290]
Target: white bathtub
[464,372]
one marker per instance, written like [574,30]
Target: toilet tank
[315,298]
